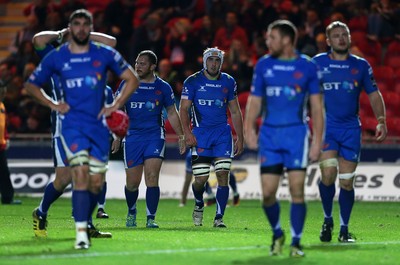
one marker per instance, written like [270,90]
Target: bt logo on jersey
[211,102]
[137,105]
[331,85]
[74,82]
[274,91]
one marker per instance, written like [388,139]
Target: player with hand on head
[82,67]
[209,93]
[44,42]
[144,145]
[287,81]
[344,77]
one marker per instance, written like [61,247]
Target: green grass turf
[245,241]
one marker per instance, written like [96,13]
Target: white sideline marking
[174,251]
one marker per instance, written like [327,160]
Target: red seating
[392,61]
[358,23]
[393,126]
[393,48]
[392,102]
[371,48]
[365,105]
[385,74]
[242,98]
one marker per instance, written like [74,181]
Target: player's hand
[190,139]
[106,111]
[251,139]
[182,144]
[239,147]
[315,153]
[115,145]
[380,132]
[61,107]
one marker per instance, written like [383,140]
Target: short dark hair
[81,13]
[150,54]
[285,28]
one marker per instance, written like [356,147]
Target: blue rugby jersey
[144,108]
[209,98]
[285,85]
[82,78]
[343,82]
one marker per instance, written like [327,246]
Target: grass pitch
[245,241]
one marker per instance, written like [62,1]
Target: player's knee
[201,170]
[223,165]
[346,181]
[330,162]
[79,159]
[347,176]
[97,167]
[60,183]
[269,199]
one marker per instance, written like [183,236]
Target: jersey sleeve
[368,78]
[116,62]
[314,84]
[44,71]
[233,92]
[169,98]
[258,84]
[188,90]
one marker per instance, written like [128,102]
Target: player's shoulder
[358,60]
[264,59]
[162,83]
[193,78]
[304,58]
[321,56]
[226,77]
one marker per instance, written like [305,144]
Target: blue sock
[93,198]
[50,195]
[297,219]
[198,196]
[273,212]
[346,202]
[327,194]
[222,200]
[152,199]
[81,205]
[131,199]
[102,195]
[232,182]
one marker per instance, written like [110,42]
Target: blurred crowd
[179,30]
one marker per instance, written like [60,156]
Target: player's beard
[213,75]
[341,51]
[80,42]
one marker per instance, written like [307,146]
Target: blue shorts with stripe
[346,141]
[136,152]
[215,142]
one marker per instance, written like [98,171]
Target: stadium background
[375,36]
